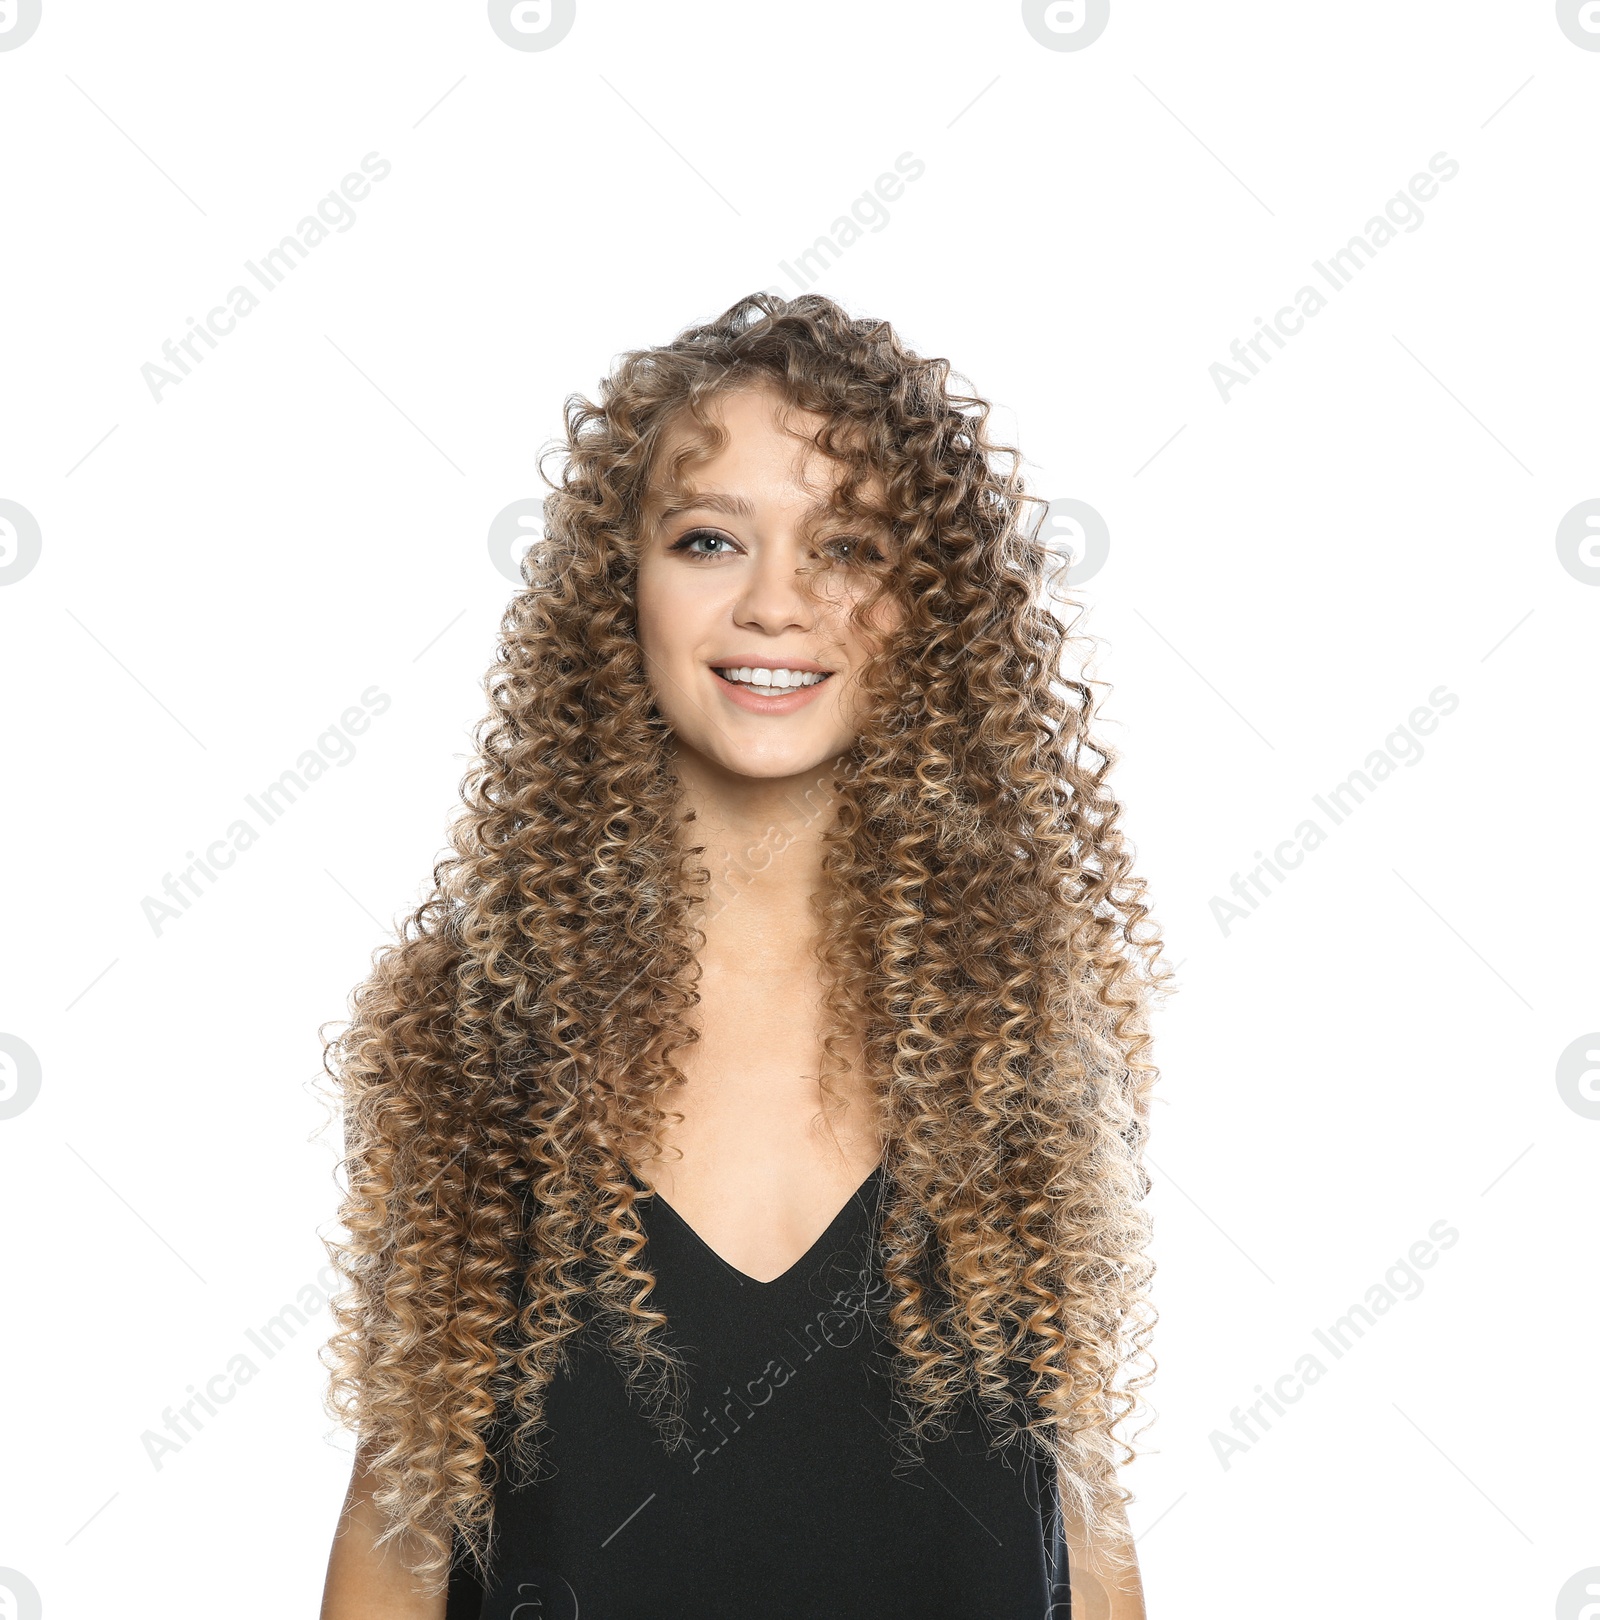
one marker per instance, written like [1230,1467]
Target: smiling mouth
[769,682]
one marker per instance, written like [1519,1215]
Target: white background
[1292,572]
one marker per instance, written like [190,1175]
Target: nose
[775,598]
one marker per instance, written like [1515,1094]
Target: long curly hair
[987,955]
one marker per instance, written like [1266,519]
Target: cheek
[888,616]
[653,610]
[676,611]
[868,628]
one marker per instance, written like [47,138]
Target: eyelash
[683,545]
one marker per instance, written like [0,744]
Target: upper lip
[805,665]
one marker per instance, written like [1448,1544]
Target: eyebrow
[712,500]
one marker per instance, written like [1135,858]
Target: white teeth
[777,679]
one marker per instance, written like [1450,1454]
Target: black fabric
[792,1502]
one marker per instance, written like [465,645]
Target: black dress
[791,1502]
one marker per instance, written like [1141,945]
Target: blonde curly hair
[987,955]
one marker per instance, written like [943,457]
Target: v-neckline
[743,1278]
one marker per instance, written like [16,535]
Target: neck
[762,843]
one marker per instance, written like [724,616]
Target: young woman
[744,1139]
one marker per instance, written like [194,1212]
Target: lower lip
[758,702]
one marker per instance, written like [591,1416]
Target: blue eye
[849,549]
[687,543]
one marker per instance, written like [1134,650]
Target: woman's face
[753,665]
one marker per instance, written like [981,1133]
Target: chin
[774,765]
[776,770]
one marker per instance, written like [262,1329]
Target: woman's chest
[789,1495]
[756,1154]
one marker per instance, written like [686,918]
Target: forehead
[767,450]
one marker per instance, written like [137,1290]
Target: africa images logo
[1077,537]
[1580,22]
[19,1597]
[1066,25]
[1578,1075]
[20,540]
[18,19]
[513,530]
[1577,540]
[532,25]
[20,1079]
[276,265]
